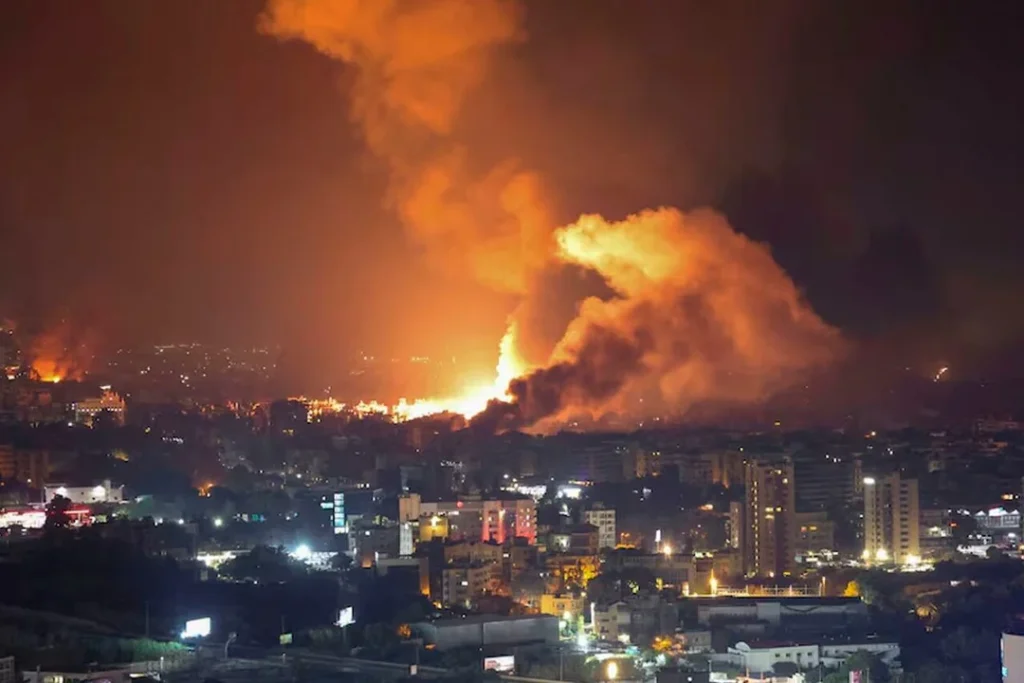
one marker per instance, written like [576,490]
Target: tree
[341,562]
[785,669]
[57,513]
[263,564]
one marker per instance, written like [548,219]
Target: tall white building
[604,520]
[892,520]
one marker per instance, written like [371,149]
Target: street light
[611,671]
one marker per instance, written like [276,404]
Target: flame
[698,311]
[58,353]
[472,400]
[49,370]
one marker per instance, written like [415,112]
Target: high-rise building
[892,520]
[826,481]
[768,539]
[735,524]
[604,520]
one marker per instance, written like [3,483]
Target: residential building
[769,526]
[604,519]
[825,481]
[463,583]
[409,507]
[892,520]
[813,532]
[474,552]
[375,541]
[734,525]
[485,520]
[571,570]
[578,538]
[611,622]
[562,605]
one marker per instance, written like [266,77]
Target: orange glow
[56,355]
[467,403]
[48,370]
[699,312]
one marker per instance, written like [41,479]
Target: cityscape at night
[657,341]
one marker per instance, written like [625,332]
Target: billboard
[197,628]
[505,664]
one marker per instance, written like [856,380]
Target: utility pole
[147,619]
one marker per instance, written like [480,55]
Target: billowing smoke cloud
[697,313]
[700,314]
[416,63]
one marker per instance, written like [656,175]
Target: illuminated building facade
[85,495]
[768,543]
[604,520]
[892,520]
[87,409]
[487,520]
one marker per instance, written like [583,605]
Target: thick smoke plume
[416,62]
[700,314]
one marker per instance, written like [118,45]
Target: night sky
[169,173]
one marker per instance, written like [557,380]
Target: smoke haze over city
[323,178]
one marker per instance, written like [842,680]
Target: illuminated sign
[339,513]
[505,664]
[345,617]
[197,628]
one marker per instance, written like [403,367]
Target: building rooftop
[486,619]
[804,600]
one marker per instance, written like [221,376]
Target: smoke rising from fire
[416,63]
[58,352]
[698,313]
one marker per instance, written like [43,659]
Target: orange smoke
[56,355]
[699,313]
[416,63]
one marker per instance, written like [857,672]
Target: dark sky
[169,173]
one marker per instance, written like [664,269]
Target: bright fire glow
[469,402]
[48,370]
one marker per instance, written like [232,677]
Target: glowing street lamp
[611,671]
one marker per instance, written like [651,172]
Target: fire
[471,401]
[57,353]
[697,312]
[47,370]
[467,403]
